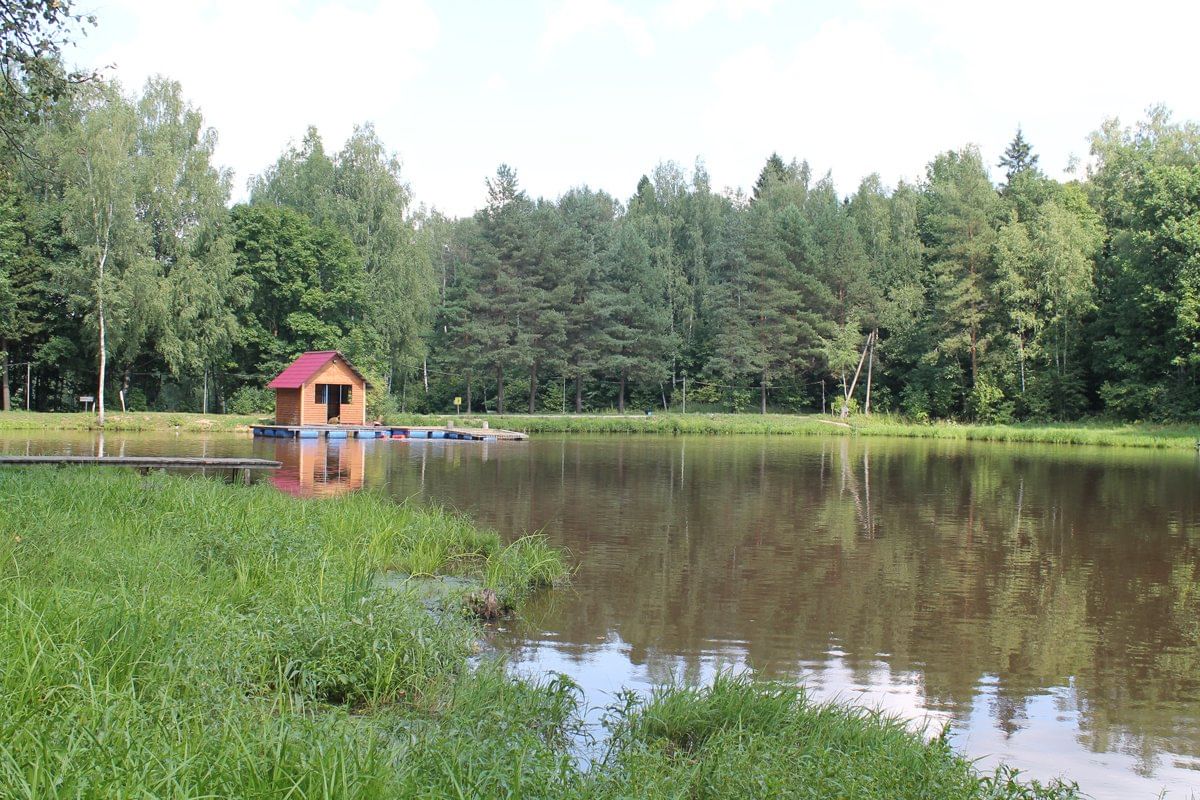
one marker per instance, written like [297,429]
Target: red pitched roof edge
[306,366]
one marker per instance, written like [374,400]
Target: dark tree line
[123,270]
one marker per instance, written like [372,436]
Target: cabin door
[335,402]
[331,395]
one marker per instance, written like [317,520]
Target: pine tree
[961,214]
[1018,157]
[635,318]
[773,172]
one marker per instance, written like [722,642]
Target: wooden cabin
[320,388]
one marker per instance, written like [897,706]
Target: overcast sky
[597,92]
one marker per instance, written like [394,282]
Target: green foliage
[987,403]
[250,400]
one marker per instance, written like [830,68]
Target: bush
[988,403]
[251,400]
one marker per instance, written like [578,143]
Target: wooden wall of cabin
[287,407]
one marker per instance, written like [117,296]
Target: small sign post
[457,405]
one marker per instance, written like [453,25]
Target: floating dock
[401,432]
[238,467]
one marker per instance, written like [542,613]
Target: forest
[126,274]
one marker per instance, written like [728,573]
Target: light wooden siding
[287,406]
[335,372]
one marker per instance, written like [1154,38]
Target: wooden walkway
[237,467]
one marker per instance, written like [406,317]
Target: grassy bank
[175,637]
[1086,433]
[134,421]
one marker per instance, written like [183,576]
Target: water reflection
[320,467]
[1043,601]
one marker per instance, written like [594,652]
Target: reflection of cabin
[319,387]
[320,467]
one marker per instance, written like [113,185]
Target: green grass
[177,637]
[133,421]
[698,743]
[1085,433]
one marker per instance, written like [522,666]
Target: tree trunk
[125,387]
[621,396]
[763,393]
[974,360]
[578,394]
[103,365]
[4,392]
[1021,358]
[533,387]
[499,390]
[468,393]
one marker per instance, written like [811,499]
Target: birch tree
[99,169]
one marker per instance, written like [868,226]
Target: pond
[1042,601]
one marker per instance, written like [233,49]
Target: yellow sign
[458,401]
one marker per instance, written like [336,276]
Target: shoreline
[1175,436]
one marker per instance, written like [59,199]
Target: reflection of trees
[1040,567]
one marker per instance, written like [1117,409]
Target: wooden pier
[399,432]
[237,467]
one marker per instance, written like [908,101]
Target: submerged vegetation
[165,636]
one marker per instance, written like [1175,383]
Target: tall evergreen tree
[636,338]
[961,213]
[1018,157]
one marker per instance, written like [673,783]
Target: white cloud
[889,87]
[262,71]
[574,18]
[682,14]
[495,83]
[843,98]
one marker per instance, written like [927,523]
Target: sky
[597,92]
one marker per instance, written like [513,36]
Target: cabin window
[322,396]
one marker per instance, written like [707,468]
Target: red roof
[302,370]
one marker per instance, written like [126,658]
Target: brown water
[1044,602]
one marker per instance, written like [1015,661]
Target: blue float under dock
[394,432]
